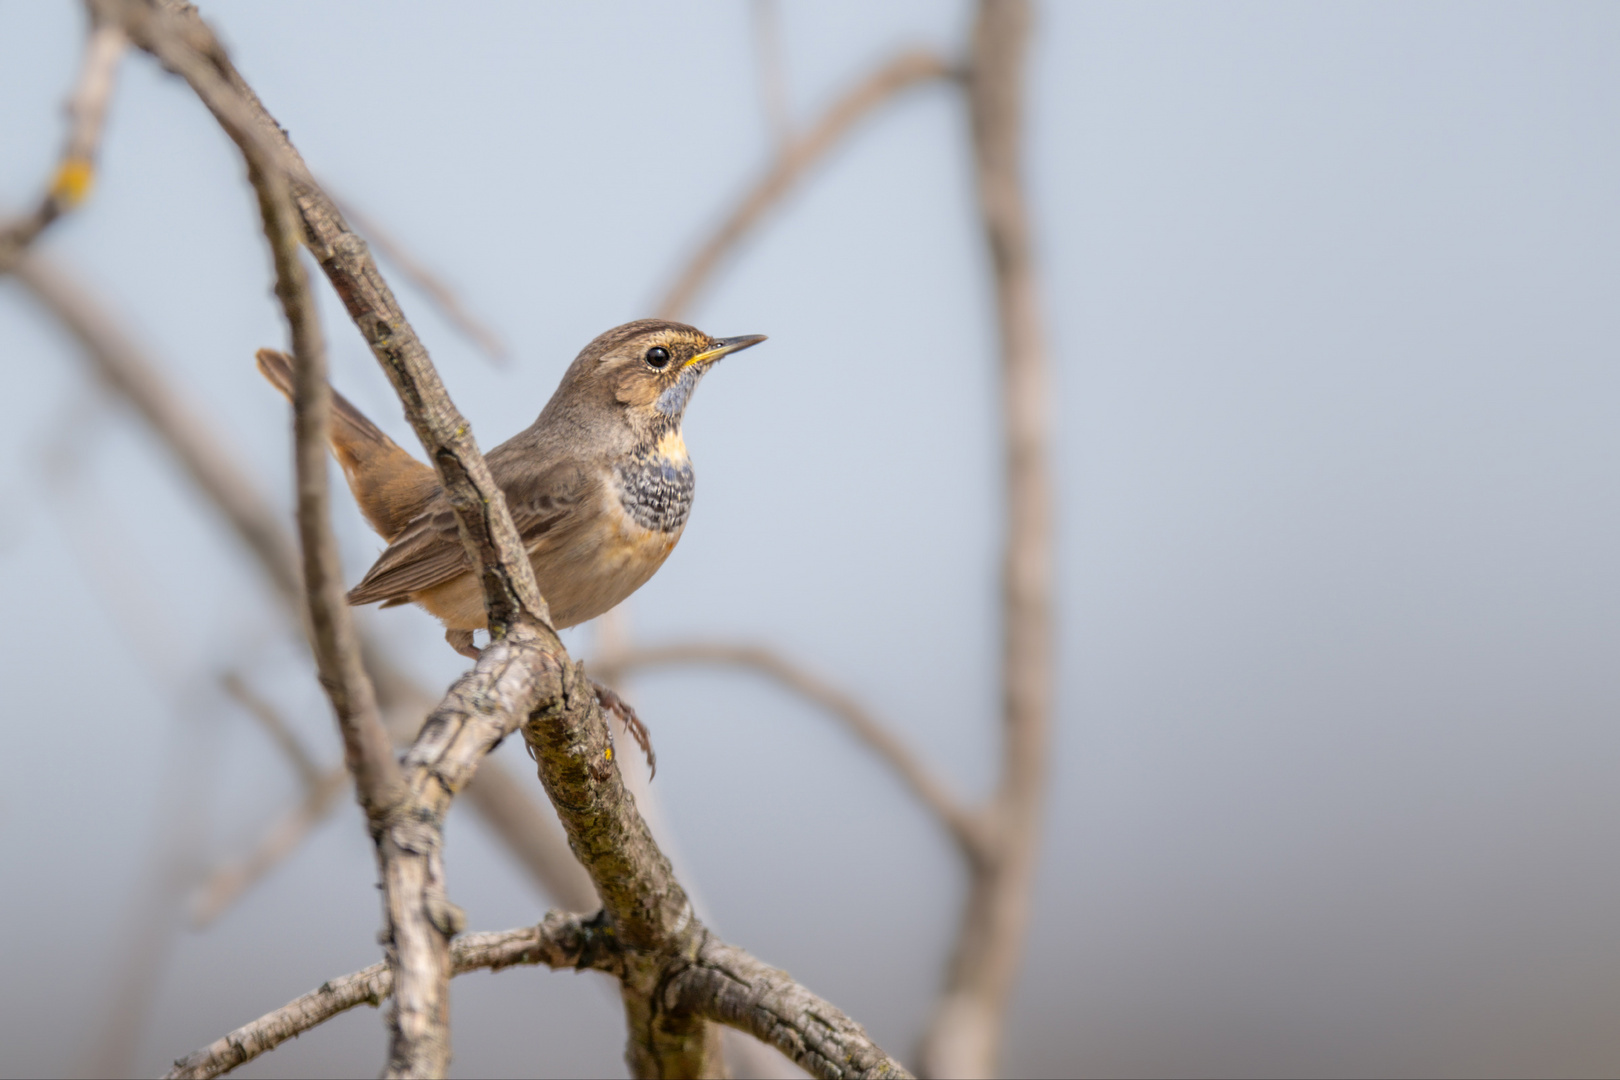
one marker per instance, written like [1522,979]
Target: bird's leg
[619,707]
[462,642]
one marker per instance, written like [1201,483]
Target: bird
[600,486]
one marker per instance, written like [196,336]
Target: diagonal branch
[417,272]
[523,673]
[366,747]
[227,884]
[206,458]
[965,827]
[406,812]
[798,155]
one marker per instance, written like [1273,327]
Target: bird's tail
[391,486]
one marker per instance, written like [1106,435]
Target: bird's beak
[723,346]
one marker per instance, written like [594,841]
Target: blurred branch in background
[322,787]
[960,823]
[653,942]
[797,156]
[965,1035]
[208,461]
[87,115]
[651,946]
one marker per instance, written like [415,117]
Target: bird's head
[646,371]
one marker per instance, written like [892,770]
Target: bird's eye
[658,357]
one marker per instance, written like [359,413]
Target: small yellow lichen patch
[608,753]
[73,180]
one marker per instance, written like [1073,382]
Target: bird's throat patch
[655,489]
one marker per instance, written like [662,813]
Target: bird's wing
[429,552]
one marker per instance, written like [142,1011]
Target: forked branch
[524,672]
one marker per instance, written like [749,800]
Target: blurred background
[1330,291]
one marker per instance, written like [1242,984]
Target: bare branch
[87,113]
[559,941]
[720,981]
[523,673]
[726,984]
[176,35]
[964,1035]
[337,654]
[965,827]
[796,158]
[367,749]
[206,458]
[417,272]
[406,812]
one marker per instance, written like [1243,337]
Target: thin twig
[557,942]
[431,284]
[796,158]
[87,114]
[367,749]
[720,981]
[965,1033]
[965,827]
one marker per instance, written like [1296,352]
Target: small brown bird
[599,486]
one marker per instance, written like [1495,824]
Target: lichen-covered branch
[523,673]
[726,984]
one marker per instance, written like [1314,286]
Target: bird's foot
[462,642]
[621,708]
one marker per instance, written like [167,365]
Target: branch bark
[406,813]
[366,746]
[435,287]
[559,941]
[206,458]
[524,672]
[964,1035]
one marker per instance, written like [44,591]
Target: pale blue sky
[1331,297]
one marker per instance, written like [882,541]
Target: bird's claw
[613,703]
